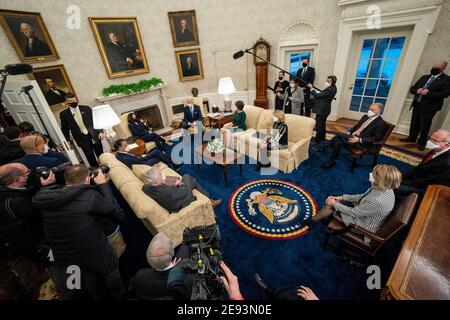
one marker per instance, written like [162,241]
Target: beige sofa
[156,218]
[126,133]
[300,130]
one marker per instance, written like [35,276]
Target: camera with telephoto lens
[44,172]
[103,168]
[203,265]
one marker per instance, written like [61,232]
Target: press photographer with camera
[74,218]
[20,224]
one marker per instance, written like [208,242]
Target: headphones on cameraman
[333,79]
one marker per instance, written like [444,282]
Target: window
[376,70]
[295,60]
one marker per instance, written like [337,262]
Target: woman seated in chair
[370,209]
[238,123]
[276,140]
[140,130]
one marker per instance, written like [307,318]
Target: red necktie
[428,157]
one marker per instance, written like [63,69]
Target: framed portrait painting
[120,45]
[189,63]
[183,25]
[28,35]
[54,84]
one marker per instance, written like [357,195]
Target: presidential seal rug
[272,209]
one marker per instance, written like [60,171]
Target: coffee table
[220,120]
[223,160]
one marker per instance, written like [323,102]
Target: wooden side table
[220,120]
[140,149]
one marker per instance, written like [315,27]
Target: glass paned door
[295,60]
[377,66]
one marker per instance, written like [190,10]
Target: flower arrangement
[215,146]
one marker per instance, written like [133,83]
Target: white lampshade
[226,86]
[104,117]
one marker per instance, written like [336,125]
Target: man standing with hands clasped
[429,94]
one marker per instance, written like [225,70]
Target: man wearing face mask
[280,87]
[77,120]
[307,74]
[322,107]
[434,168]
[429,94]
[368,130]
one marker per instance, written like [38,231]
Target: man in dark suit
[120,56]
[434,168]
[322,106]
[12,149]
[173,196]
[152,158]
[429,94]
[368,130]
[280,87]
[34,47]
[189,68]
[192,114]
[77,120]
[53,95]
[307,74]
[183,32]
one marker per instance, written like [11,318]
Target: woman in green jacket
[238,123]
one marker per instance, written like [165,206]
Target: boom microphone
[238,54]
[18,68]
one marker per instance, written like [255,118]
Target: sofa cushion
[265,121]
[252,115]
[299,127]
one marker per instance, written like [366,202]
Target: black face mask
[435,71]
[304,64]
[73,104]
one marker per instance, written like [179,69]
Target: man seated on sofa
[173,194]
[150,159]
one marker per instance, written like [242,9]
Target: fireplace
[152,115]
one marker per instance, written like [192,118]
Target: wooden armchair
[354,235]
[359,153]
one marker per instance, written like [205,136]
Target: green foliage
[132,87]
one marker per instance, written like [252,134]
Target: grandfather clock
[261,49]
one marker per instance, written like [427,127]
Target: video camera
[44,172]
[203,264]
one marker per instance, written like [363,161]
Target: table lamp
[105,118]
[226,87]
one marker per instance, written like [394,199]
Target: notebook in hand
[172,180]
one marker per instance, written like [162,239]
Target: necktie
[303,72]
[364,125]
[428,157]
[80,121]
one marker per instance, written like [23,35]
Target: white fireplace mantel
[122,103]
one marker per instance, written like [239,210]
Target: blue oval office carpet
[262,225]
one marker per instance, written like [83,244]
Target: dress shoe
[328,165]
[215,203]
[407,140]
[421,147]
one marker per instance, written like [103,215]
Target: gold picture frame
[120,44]
[189,71]
[187,36]
[28,35]
[61,80]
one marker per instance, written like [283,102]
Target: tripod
[27,90]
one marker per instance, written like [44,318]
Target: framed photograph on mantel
[28,35]
[183,25]
[54,84]
[189,64]
[120,45]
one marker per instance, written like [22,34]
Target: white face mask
[275,119]
[370,113]
[326,85]
[431,145]
[46,148]
[371,180]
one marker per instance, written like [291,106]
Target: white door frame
[285,50]
[355,58]
[422,20]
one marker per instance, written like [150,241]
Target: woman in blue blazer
[140,130]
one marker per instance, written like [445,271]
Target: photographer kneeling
[74,222]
